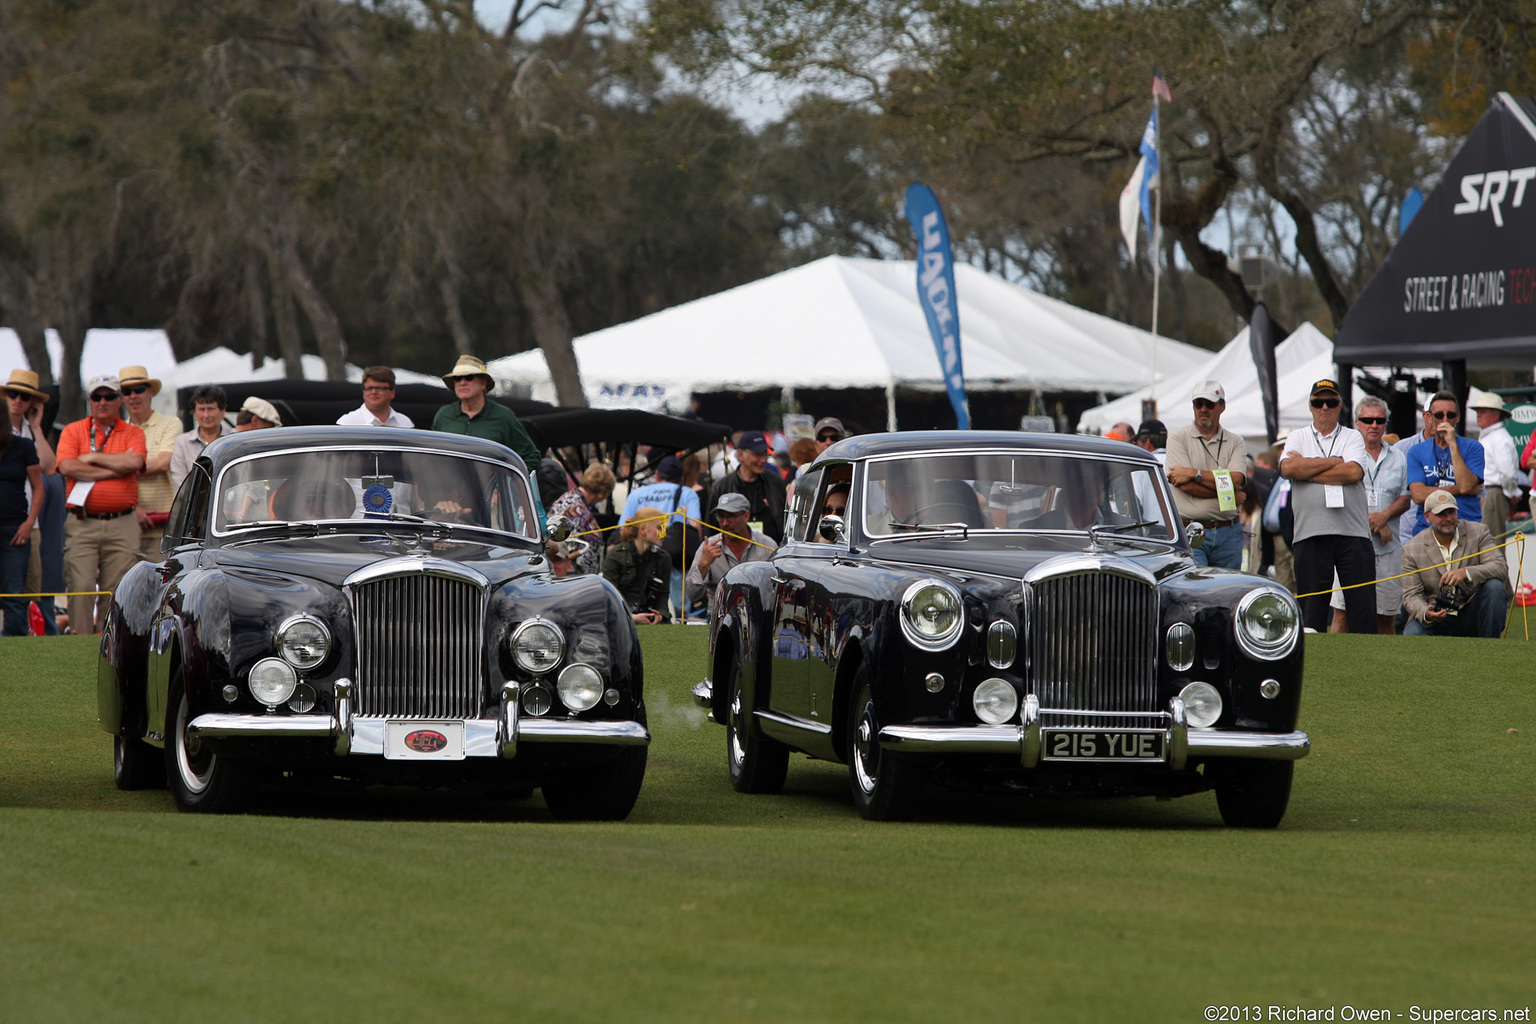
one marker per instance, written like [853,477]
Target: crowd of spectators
[1380,534]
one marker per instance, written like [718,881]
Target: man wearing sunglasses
[1207,465]
[1327,464]
[1386,499]
[101,457]
[1446,462]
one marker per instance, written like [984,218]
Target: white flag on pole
[1130,206]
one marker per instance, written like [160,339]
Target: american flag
[1160,87]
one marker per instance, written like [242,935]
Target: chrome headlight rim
[995,713]
[923,641]
[566,686]
[285,691]
[1263,649]
[1180,633]
[523,628]
[304,665]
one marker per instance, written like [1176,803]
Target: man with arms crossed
[1206,465]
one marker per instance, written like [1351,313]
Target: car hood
[331,559]
[995,556]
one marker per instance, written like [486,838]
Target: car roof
[276,439]
[917,442]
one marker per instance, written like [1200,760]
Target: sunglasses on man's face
[16,394]
[138,390]
[832,510]
[1325,403]
[1202,404]
[108,397]
[1452,416]
[829,437]
[1371,421]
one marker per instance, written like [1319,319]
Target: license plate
[1101,745]
[424,741]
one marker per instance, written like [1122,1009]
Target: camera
[654,598]
[1449,600]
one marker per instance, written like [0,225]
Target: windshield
[330,485]
[1014,492]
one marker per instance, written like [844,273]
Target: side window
[802,510]
[194,493]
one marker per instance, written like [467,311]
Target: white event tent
[1304,357]
[841,322]
[106,350]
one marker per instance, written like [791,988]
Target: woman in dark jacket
[18,467]
[640,568]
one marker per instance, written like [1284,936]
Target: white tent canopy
[1304,357]
[854,323]
[105,351]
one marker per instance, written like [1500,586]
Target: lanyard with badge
[1226,492]
[1372,496]
[1333,494]
[82,488]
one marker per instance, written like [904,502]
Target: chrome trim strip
[777,724]
[414,565]
[1029,753]
[224,726]
[1069,565]
[1270,746]
[508,719]
[567,730]
[1177,739]
[954,739]
[343,688]
[704,694]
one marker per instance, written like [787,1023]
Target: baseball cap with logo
[1438,502]
[754,441]
[1210,390]
[1325,386]
[103,382]
[732,503]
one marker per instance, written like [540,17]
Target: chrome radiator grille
[420,643]
[1093,647]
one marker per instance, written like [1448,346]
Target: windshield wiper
[964,528]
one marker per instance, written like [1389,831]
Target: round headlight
[580,687]
[1202,705]
[931,615]
[303,642]
[1180,647]
[537,646]
[272,681]
[995,701]
[1266,624]
[1002,644]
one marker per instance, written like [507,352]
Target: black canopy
[1460,284]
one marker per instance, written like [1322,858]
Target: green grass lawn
[1404,875]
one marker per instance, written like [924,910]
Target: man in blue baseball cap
[763,488]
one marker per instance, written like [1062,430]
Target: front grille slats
[418,647]
[1094,647]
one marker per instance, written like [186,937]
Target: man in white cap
[1207,465]
[155,493]
[1501,463]
[475,414]
[101,457]
[257,414]
[1466,597]
[719,553]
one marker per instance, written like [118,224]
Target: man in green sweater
[475,414]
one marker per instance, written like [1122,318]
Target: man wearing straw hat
[1501,463]
[160,431]
[475,414]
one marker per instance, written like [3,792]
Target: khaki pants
[1285,565]
[1495,510]
[107,546]
[149,543]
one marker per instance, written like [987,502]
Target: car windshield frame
[225,528]
[875,469]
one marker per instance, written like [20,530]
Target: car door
[791,649]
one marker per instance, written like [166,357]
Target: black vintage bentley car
[374,605]
[1008,611]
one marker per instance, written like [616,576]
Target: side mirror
[1195,534]
[559,529]
[832,528]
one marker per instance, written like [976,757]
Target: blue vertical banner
[936,291]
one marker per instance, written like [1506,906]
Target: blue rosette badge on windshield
[377,501]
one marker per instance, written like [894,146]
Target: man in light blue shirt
[1446,462]
[667,492]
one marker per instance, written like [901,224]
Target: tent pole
[890,406]
[1346,394]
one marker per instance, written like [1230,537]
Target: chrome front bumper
[1180,741]
[483,737]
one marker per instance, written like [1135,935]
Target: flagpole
[1157,247]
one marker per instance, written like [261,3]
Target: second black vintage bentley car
[1007,611]
[373,605]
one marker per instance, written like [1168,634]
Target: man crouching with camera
[1467,597]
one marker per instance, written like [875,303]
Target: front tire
[1254,794]
[605,793]
[136,764]
[886,786]
[757,764]
[200,781]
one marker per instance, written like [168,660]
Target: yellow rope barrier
[1403,575]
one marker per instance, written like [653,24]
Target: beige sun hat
[262,409]
[25,381]
[133,376]
[469,366]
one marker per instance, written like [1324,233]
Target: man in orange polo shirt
[101,457]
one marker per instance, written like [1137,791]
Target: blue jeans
[13,580]
[1483,616]
[1223,546]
